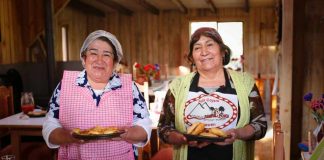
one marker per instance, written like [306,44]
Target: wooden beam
[59,5]
[149,7]
[299,79]
[247,6]
[86,8]
[49,38]
[117,7]
[181,6]
[211,5]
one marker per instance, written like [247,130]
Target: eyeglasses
[93,54]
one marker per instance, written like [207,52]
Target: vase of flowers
[148,72]
[317,110]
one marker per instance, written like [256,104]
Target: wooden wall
[163,38]
[11,39]
[312,57]
[22,24]
[301,69]
[146,38]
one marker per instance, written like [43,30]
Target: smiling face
[207,55]
[99,61]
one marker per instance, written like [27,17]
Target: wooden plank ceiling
[128,7]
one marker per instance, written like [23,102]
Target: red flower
[148,67]
[149,70]
[137,65]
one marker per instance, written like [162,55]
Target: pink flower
[317,106]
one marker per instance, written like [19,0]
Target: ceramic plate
[97,136]
[37,113]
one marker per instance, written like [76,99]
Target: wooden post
[49,44]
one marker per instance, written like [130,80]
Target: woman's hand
[134,134]
[176,138]
[233,136]
[243,133]
[61,136]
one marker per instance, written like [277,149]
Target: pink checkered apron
[78,110]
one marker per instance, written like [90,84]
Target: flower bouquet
[147,72]
[317,110]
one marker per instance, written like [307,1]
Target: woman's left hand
[244,133]
[134,134]
[230,140]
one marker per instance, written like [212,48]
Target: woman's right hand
[61,136]
[75,140]
[176,138]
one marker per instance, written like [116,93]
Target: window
[64,44]
[232,35]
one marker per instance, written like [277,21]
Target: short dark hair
[213,34]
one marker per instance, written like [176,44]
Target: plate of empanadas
[198,132]
[37,113]
[97,132]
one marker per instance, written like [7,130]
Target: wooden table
[19,127]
